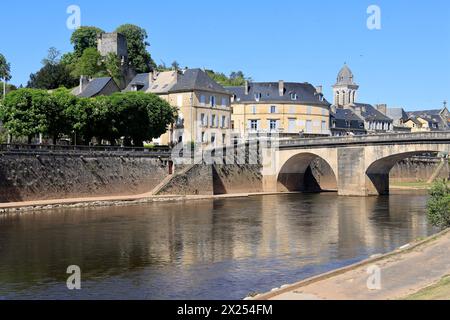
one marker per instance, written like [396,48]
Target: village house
[204,111]
[429,120]
[288,109]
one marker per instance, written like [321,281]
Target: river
[209,249]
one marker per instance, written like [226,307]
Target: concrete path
[401,273]
[146,197]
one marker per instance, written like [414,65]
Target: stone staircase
[169,179]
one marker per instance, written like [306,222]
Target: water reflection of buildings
[296,229]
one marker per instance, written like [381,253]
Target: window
[213,138]
[324,112]
[257,96]
[180,100]
[273,125]
[224,138]
[202,100]
[213,120]
[253,108]
[224,121]
[309,126]
[213,101]
[309,110]
[324,126]
[203,120]
[292,125]
[273,109]
[254,125]
[292,110]
[203,137]
[294,96]
[347,124]
[224,102]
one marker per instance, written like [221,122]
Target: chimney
[319,89]
[382,108]
[281,87]
[246,88]
[358,110]
[333,108]
[83,82]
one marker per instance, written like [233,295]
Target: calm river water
[213,249]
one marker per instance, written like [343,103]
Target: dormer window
[258,96]
[294,96]
[213,101]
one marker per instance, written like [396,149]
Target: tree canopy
[138,55]
[54,74]
[83,38]
[5,69]
[89,64]
[134,116]
[236,78]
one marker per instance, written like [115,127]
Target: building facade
[204,111]
[285,108]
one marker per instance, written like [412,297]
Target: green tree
[57,118]
[54,74]
[89,64]
[439,205]
[138,55]
[9,87]
[113,67]
[134,116]
[83,117]
[84,38]
[236,78]
[23,112]
[5,72]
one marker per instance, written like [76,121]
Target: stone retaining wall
[28,177]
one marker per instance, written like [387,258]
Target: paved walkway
[105,199]
[402,273]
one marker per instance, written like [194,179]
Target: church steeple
[345,88]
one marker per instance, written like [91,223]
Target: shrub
[438,206]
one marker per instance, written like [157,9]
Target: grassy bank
[438,291]
[411,185]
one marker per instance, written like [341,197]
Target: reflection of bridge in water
[360,164]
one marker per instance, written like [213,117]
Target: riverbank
[411,185]
[40,205]
[406,272]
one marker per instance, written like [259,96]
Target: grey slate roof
[432,116]
[95,86]
[142,80]
[187,80]
[269,91]
[370,113]
[196,79]
[343,117]
[397,114]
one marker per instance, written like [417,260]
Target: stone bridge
[360,164]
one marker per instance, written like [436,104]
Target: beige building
[285,108]
[204,111]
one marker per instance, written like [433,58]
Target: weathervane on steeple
[445,104]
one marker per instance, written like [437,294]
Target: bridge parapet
[100,151]
[437,136]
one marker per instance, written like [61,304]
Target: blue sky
[406,63]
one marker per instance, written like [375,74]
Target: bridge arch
[378,169]
[307,172]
